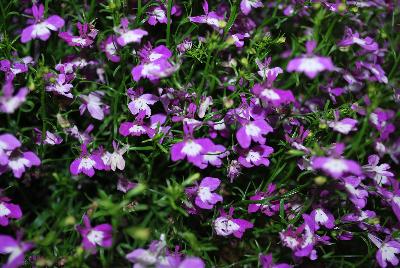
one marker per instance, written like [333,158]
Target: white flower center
[311,65]
[86,163]
[191,148]
[335,166]
[4,211]
[320,216]
[95,237]
[204,194]
[224,226]
[252,130]
[253,156]
[270,94]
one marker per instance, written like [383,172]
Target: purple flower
[125,185]
[343,126]
[310,64]
[386,251]
[357,195]
[265,71]
[16,249]
[268,209]
[148,257]
[116,160]
[210,18]
[323,217]
[273,96]
[8,143]
[141,101]
[157,14]
[214,156]
[109,47]
[336,167]
[19,161]
[129,36]
[100,235]
[86,163]
[8,211]
[154,64]
[9,103]
[379,173]
[51,138]
[205,198]
[14,68]
[256,156]
[94,105]
[267,262]
[253,130]
[41,28]
[136,128]
[354,38]
[84,39]
[226,225]
[247,5]
[61,86]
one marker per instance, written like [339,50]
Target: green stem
[169,22]
[43,116]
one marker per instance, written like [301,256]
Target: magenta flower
[210,18]
[255,156]
[310,64]
[154,64]
[9,102]
[129,36]
[343,126]
[272,96]
[8,143]
[109,47]
[386,251]
[252,130]
[41,27]
[141,101]
[357,195]
[100,235]
[86,163]
[8,211]
[351,38]
[268,209]
[61,86]
[267,262]
[204,196]
[136,128]
[11,69]
[19,161]
[247,5]
[226,225]
[323,217]
[94,105]
[16,249]
[265,71]
[87,34]
[214,156]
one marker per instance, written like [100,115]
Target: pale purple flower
[9,102]
[157,14]
[271,96]
[87,34]
[210,18]
[61,86]
[351,38]
[226,225]
[205,103]
[141,101]
[204,196]
[125,185]
[142,258]
[238,39]
[322,217]
[214,156]
[15,249]
[116,160]
[343,126]
[83,137]
[336,167]
[378,74]
[41,27]
[109,46]
[265,71]
[387,251]
[136,128]
[270,208]
[234,169]
[310,64]
[255,156]
[94,105]
[100,235]
[359,216]
[154,64]
[379,173]
[8,143]
[8,211]
[247,5]
[252,130]
[50,139]
[11,69]
[357,195]
[129,36]
[86,163]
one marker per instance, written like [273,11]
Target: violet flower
[343,126]
[100,235]
[50,139]
[19,161]
[129,36]
[8,143]
[247,5]
[204,197]
[109,46]
[94,105]
[226,225]
[149,257]
[264,69]
[351,38]
[267,262]
[268,209]
[41,27]
[16,250]
[379,173]
[252,130]
[116,160]
[387,251]
[310,64]
[86,163]
[322,216]
[210,18]
[141,101]
[61,86]
[85,38]
[136,128]
[214,156]
[255,156]
[357,195]
[8,211]
[9,102]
